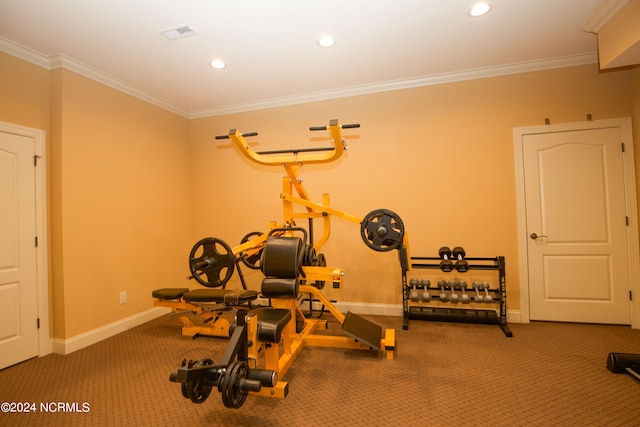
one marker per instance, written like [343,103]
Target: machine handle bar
[232,131]
[347,126]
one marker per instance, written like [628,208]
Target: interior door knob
[534,236]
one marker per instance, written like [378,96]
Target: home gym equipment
[290,259]
[209,264]
[624,363]
[436,308]
[381,230]
[232,376]
[212,262]
[276,335]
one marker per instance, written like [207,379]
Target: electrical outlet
[123,297]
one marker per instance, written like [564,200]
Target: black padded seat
[169,293]
[220,296]
[271,322]
[274,287]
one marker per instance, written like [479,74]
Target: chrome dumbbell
[413,295]
[426,296]
[487,297]
[443,293]
[476,287]
[464,297]
[454,296]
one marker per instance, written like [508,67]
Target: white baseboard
[513,316]
[373,309]
[66,346]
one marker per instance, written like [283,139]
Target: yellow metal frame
[218,324]
[293,191]
[280,357]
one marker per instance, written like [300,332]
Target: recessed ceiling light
[218,64]
[326,41]
[480,9]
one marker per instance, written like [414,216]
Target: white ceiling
[270,46]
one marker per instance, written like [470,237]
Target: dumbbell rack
[423,311]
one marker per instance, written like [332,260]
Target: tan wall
[133,187]
[24,93]
[118,197]
[440,156]
[123,211]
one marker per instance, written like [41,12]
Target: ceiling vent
[178,32]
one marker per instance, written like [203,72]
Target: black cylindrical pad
[281,257]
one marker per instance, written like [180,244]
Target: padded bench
[168,294]
[205,295]
[219,296]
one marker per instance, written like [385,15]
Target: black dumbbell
[461,264]
[446,264]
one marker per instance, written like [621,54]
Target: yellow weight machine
[212,306]
[267,340]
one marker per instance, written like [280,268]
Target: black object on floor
[624,363]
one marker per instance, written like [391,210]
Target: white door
[576,221]
[18,287]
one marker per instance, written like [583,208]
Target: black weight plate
[214,259]
[252,261]
[382,230]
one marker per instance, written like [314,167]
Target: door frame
[633,243]
[45,345]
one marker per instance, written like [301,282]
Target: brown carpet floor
[444,374]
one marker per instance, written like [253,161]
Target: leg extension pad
[362,330]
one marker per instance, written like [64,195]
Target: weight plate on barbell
[382,230]
[199,390]
[214,259]
[229,387]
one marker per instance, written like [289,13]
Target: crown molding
[474,74]
[61,61]
[602,15]
[24,53]
[70,64]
